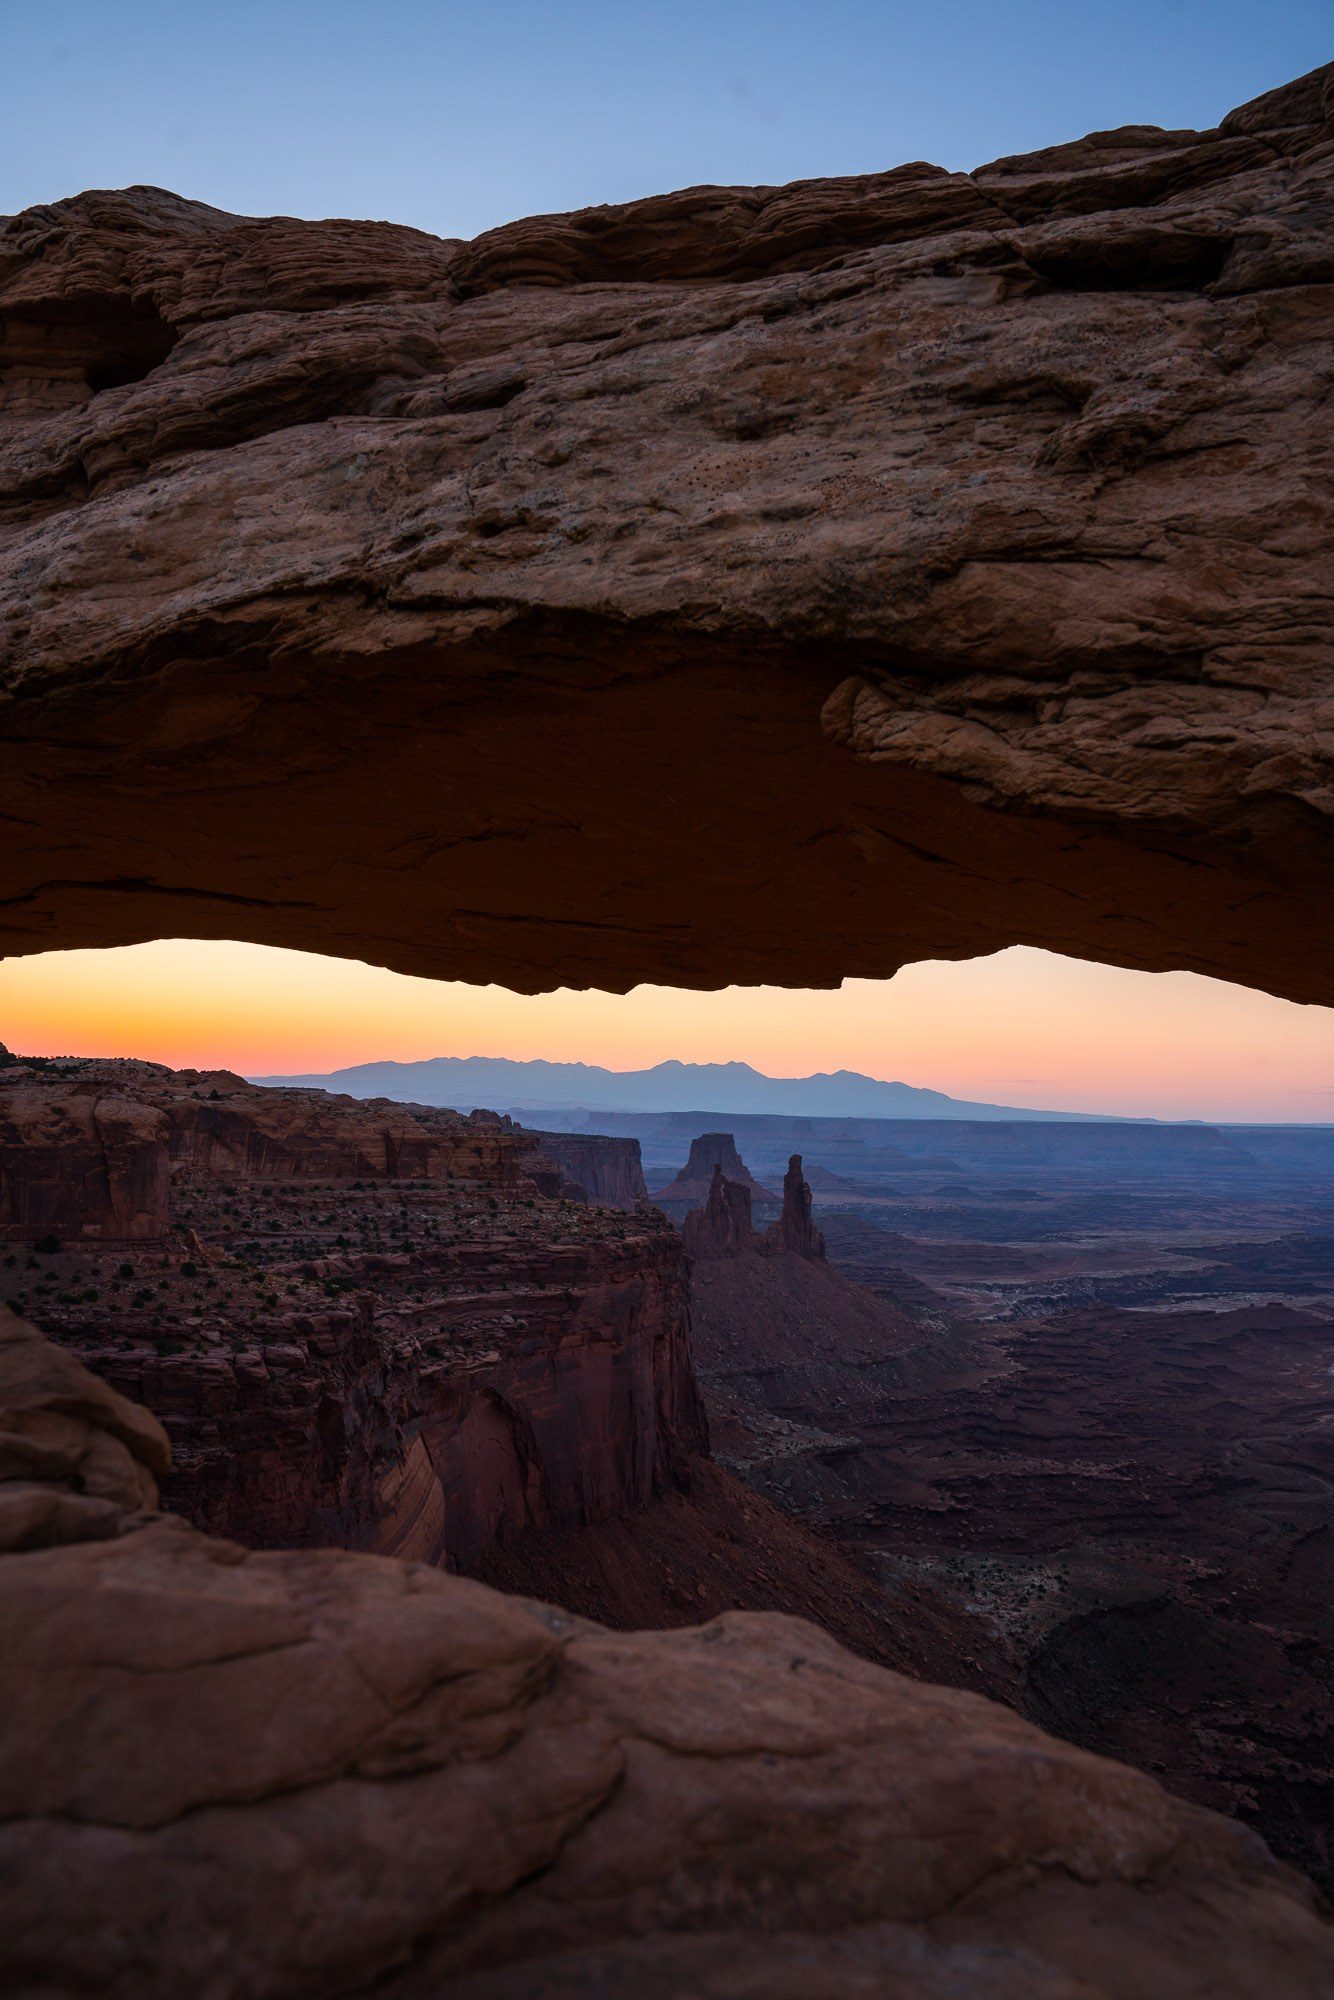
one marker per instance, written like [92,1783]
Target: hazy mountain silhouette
[465,1082]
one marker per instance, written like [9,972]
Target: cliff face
[307,1135]
[312,1772]
[711,1153]
[609,1171]
[348,1428]
[723,1226]
[360,1324]
[795,1228]
[88,1149]
[985,517]
[92,1165]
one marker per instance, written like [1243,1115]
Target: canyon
[1080,1425]
[392,1328]
[381,1326]
[403,1330]
[742,585]
[566,1809]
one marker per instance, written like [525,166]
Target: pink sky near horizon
[1021,1027]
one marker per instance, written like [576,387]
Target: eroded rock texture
[722,1226]
[75,1457]
[746,584]
[609,1171]
[363,1324]
[711,1154]
[368,1773]
[795,1228]
[88,1149]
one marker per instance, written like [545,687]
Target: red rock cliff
[315,1772]
[360,1323]
[91,1165]
[722,1227]
[711,1150]
[609,1170]
[87,1149]
[795,1230]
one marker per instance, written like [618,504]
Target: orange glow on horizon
[1022,1027]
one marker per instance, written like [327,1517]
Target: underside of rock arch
[743,585]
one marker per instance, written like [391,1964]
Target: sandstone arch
[749,584]
[741,585]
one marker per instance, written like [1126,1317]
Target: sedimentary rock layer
[88,1149]
[367,1774]
[795,1229]
[722,1226]
[742,585]
[609,1171]
[361,1323]
[710,1153]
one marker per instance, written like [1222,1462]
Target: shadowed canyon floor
[1131,1508]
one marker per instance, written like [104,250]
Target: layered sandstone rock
[972,532]
[711,1153]
[87,1148]
[609,1171]
[949,552]
[722,1227]
[536,1383]
[90,1165]
[75,1457]
[795,1229]
[367,1774]
[362,1323]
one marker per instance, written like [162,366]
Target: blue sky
[458,117]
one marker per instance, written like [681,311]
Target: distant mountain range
[496,1082]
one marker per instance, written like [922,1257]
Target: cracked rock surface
[307,1773]
[739,585]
